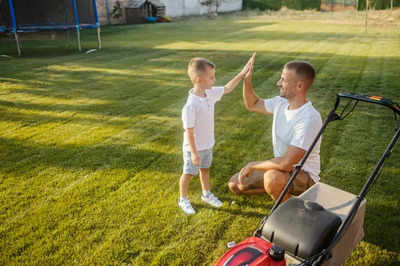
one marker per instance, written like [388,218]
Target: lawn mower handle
[372,99]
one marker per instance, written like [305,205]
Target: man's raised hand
[250,66]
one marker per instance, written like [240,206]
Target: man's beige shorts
[301,183]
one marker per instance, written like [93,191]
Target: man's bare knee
[234,188]
[242,187]
[274,182]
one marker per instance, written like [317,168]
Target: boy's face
[207,79]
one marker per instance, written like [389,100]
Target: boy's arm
[235,81]
[190,138]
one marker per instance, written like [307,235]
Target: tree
[212,6]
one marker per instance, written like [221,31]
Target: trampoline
[19,16]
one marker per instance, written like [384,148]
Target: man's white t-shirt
[198,113]
[298,128]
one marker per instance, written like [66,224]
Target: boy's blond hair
[197,66]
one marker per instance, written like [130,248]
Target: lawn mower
[324,224]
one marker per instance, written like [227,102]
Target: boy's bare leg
[207,196]
[205,179]
[184,184]
[253,184]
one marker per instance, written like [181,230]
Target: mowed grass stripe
[78,157]
[112,226]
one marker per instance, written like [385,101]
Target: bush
[262,4]
[302,4]
[277,4]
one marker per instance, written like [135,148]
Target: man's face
[208,78]
[288,84]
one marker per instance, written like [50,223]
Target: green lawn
[90,144]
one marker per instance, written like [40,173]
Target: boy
[198,122]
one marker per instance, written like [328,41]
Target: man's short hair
[197,66]
[302,69]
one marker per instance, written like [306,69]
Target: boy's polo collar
[194,96]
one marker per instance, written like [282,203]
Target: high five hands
[247,70]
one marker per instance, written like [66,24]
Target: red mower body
[252,251]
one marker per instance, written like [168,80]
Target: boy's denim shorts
[205,161]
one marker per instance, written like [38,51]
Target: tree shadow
[235,212]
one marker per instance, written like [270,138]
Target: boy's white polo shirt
[198,113]
[298,128]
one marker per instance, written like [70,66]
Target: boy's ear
[197,80]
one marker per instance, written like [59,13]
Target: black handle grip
[372,99]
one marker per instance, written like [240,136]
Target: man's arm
[190,138]
[252,102]
[235,81]
[285,163]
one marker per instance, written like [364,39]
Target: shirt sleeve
[271,104]
[305,132]
[188,116]
[216,93]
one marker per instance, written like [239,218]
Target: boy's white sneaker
[186,206]
[211,199]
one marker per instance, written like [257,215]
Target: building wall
[174,8]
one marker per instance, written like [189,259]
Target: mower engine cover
[301,227]
[253,251]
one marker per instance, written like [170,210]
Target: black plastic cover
[301,227]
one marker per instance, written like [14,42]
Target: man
[295,125]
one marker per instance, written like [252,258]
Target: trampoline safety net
[47,13]
[39,15]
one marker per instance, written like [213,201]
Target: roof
[139,3]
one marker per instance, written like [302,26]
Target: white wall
[174,8]
[230,5]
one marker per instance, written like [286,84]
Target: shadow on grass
[94,79]
[382,225]
[238,211]
[139,34]
[21,157]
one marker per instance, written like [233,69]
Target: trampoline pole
[18,47]
[78,33]
[14,24]
[98,37]
[96,18]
